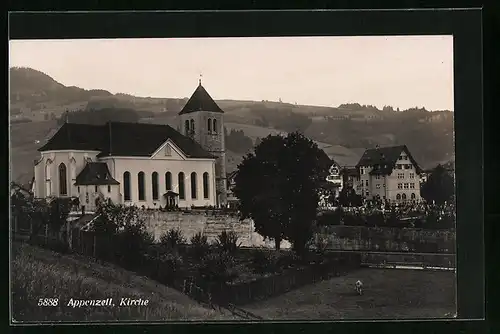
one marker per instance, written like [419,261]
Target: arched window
[186,127]
[47,170]
[126,186]
[73,170]
[413,196]
[182,195]
[215,126]
[403,197]
[209,124]
[140,183]
[194,186]
[205,185]
[63,180]
[192,125]
[168,181]
[398,197]
[154,181]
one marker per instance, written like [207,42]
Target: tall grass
[38,273]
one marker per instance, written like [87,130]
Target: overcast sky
[404,72]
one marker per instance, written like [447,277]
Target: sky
[401,71]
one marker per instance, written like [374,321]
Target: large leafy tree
[279,185]
[439,187]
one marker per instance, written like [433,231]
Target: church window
[109,188]
[63,185]
[413,196]
[186,127]
[398,197]
[192,126]
[194,186]
[205,185]
[154,180]
[140,183]
[47,170]
[95,189]
[168,150]
[168,181]
[215,126]
[126,186]
[209,125]
[403,197]
[182,195]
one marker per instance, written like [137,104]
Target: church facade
[139,164]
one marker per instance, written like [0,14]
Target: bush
[168,267]
[260,261]
[199,244]
[375,219]
[172,239]
[228,241]
[217,268]
[130,244]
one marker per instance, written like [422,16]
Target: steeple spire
[199,80]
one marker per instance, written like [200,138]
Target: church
[147,165]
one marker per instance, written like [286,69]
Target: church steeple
[199,80]
[200,101]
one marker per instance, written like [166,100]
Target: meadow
[39,273]
[388,294]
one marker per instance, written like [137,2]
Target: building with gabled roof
[389,173]
[141,164]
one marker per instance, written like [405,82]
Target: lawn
[39,273]
[389,294]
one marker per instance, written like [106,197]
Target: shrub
[375,219]
[199,244]
[168,267]
[260,261]
[172,238]
[227,241]
[217,268]
[130,243]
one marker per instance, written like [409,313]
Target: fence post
[69,236]
[94,248]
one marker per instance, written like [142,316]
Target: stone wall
[158,223]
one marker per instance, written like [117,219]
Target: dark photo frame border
[464,25]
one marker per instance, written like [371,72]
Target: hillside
[344,132]
[38,273]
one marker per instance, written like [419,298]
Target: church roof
[383,159]
[95,173]
[121,139]
[200,100]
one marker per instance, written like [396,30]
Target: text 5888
[48,302]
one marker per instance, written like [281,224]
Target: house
[139,164]
[390,173]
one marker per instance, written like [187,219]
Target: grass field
[39,273]
[389,294]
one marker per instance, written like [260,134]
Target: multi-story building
[389,173]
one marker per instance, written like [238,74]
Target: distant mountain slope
[344,131]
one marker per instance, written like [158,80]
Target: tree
[279,185]
[440,186]
[348,197]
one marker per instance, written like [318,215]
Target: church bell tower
[203,120]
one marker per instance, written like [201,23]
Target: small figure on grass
[359,287]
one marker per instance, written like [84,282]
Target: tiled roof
[383,159]
[95,173]
[121,139]
[200,100]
